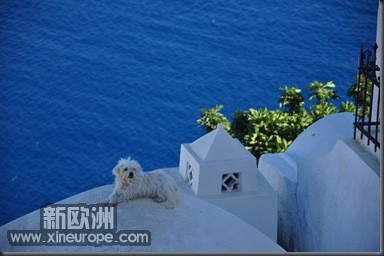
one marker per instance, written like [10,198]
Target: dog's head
[127,171]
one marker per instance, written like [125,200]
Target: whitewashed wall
[332,203]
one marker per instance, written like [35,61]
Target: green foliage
[264,136]
[321,110]
[322,92]
[240,125]
[359,96]
[347,106]
[271,131]
[363,95]
[211,118]
[291,99]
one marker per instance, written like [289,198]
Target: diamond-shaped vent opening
[230,182]
[189,174]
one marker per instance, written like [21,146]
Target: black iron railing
[366,117]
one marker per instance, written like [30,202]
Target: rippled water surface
[85,83]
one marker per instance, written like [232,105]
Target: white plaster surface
[212,157]
[218,145]
[274,171]
[320,137]
[284,163]
[339,200]
[334,203]
[258,207]
[379,42]
[193,226]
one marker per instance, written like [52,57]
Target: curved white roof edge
[320,137]
[193,226]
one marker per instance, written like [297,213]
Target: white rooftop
[218,145]
[193,226]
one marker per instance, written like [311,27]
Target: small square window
[189,174]
[230,182]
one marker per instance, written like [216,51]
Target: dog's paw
[159,200]
[112,201]
[113,198]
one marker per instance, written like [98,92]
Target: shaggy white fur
[131,182]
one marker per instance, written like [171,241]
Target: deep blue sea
[84,83]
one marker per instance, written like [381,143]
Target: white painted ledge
[193,226]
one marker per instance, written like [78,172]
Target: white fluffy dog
[131,182]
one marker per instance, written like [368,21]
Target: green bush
[211,118]
[291,99]
[359,96]
[363,96]
[321,110]
[271,131]
[347,106]
[322,92]
[240,125]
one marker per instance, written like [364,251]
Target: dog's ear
[139,167]
[116,169]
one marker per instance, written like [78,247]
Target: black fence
[366,117]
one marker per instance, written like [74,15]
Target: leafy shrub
[322,92]
[240,125]
[359,96]
[347,106]
[291,99]
[271,131]
[211,118]
[363,96]
[323,109]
